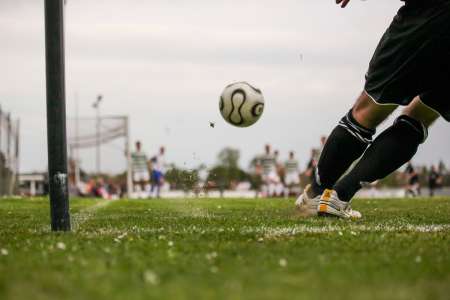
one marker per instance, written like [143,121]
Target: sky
[164,64]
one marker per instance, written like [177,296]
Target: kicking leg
[346,143]
[390,150]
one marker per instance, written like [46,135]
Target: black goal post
[56,115]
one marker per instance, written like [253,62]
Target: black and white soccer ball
[241,104]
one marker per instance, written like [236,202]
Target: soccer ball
[241,104]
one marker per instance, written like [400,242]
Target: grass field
[225,249]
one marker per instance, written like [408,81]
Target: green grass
[225,249]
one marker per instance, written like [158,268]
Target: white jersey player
[141,176]
[269,172]
[292,173]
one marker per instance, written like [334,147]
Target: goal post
[56,115]
[88,133]
[9,153]
[128,154]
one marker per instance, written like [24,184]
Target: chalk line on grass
[87,213]
[193,212]
[268,231]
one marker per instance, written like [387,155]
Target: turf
[225,249]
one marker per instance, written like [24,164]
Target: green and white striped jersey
[291,166]
[139,162]
[267,162]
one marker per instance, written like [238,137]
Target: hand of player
[343,3]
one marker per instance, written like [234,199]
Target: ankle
[315,190]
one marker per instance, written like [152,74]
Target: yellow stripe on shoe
[326,195]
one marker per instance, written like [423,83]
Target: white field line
[351,229]
[275,231]
[87,213]
[192,211]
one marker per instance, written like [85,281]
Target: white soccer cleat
[330,205]
[307,203]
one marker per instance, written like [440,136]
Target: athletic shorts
[292,178]
[141,176]
[157,177]
[413,180]
[271,177]
[413,58]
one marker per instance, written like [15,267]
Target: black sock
[345,144]
[391,149]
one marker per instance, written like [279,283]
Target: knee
[414,126]
[370,114]
[351,125]
[420,112]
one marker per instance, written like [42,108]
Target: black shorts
[413,180]
[413,58]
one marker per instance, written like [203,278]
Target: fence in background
[9,153]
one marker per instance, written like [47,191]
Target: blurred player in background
[279,167]
[269,172]
[292,175]
[412,181]
[310,171]
[434,180]
[140,172]
[442,168]
[311,166]
[158,167]
[323,141]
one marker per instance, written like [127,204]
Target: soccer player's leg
[159,182]
[411,59]
[287,188]
[153,189]
[273,182]
[292,181]
[353,133]
[390,150]
[139,182]
[265,186]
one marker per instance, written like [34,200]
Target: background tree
[226,173]
[182,179]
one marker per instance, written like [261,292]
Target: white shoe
[330,205]
[306,203]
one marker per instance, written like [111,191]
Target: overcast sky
[165,63]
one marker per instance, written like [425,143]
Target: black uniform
[413,177]
[433,181]
[413,57]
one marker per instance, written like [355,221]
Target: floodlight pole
[56,115]
[128,154]
[96,105]
[1,117]
[1,171]
[76,152]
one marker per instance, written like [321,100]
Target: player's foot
[307,202]
[330,205]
